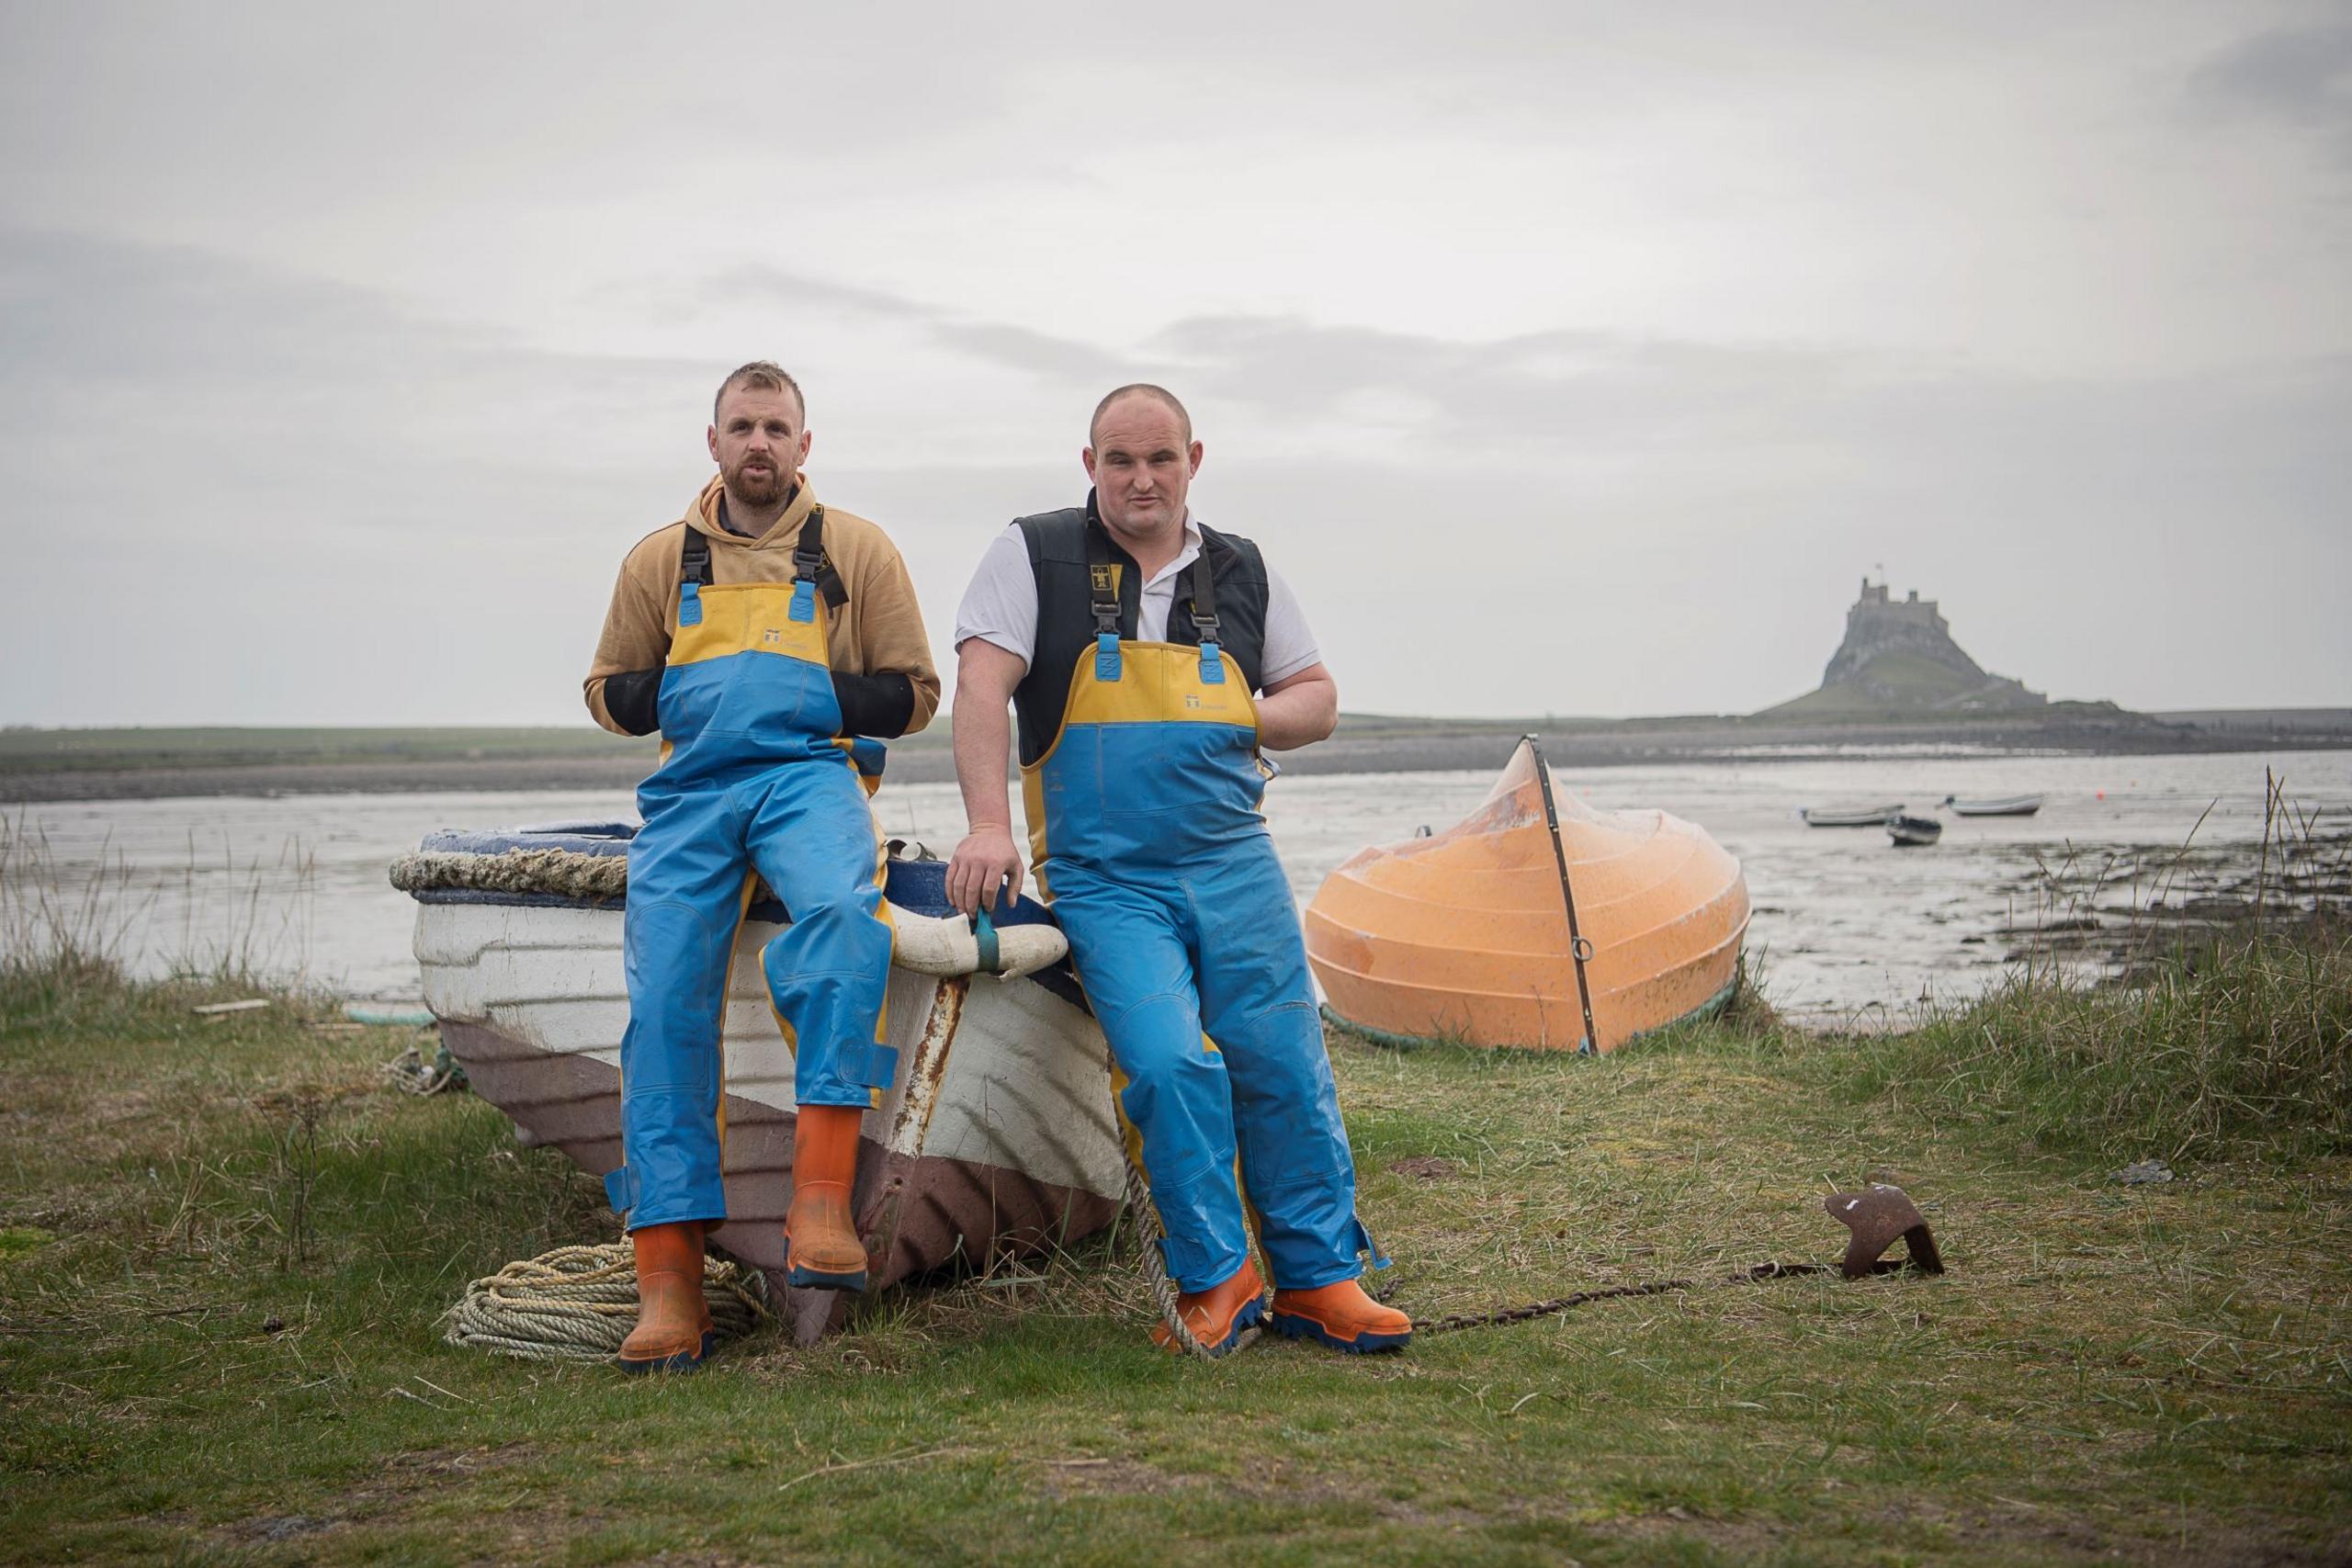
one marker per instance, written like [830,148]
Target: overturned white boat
[997,1138]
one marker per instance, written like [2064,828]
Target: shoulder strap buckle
[1205,621]
[809,550]
[808,563]
[693,558]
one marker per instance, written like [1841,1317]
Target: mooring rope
[563,873]
[577,1303]
[1138,1201]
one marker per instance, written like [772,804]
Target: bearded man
[772,642]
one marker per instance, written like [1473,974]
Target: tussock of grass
[2244,1041]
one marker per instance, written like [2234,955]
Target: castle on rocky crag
[1898,656]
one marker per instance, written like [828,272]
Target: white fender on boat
[946,945]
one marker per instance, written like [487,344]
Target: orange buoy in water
[1464,935]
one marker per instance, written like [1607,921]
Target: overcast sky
[1565,360]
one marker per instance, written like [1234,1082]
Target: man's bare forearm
[1298,712]
[983,740]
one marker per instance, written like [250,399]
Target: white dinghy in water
[997,1137]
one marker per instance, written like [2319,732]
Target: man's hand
[987,860]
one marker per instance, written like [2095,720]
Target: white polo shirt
[1000,606]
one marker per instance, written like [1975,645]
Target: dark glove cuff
[633,698]
[879,705]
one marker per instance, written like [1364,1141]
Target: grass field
[224,1245]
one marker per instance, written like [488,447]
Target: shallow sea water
[1847,927]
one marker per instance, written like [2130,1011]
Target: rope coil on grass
[577,1303]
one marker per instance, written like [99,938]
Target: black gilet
[1056,542]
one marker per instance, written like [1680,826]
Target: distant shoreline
[57,765]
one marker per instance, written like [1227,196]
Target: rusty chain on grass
[1559,1304]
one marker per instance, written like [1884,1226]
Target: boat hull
[2022,806]
[1464,936]
[1859,816]
[996,1140]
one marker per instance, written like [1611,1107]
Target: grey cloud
[1534,387]
[1003,343]
[731,286]
[1021,348]
[2300,76]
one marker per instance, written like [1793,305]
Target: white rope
[941,946]
[577,1303]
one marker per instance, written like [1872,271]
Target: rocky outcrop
[1898,656]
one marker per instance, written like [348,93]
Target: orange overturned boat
[1536,923]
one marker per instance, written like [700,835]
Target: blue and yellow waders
[751,778]
[1151,846]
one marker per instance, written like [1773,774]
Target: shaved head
[1159,395]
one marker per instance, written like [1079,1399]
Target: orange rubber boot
[822,1250]
[673,1326]
[1218,1316]
[1341,1316]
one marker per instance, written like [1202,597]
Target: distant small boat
[1852,815]
[1908,831]
[2006,806]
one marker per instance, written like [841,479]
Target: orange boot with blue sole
[1220,1316]
[1341,1316]
[674,1328]
[821,1248]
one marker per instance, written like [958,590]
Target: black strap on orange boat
[1578,949]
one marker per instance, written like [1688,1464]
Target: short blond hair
[760,376]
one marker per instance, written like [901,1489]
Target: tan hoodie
[880,631]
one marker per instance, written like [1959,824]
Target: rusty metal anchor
[1878,1216]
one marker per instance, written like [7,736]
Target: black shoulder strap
[808,562]
[693,558]
[1102,580]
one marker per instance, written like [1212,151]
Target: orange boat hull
[1465,936]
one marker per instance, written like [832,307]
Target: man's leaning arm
[989,858]
[1299,710]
